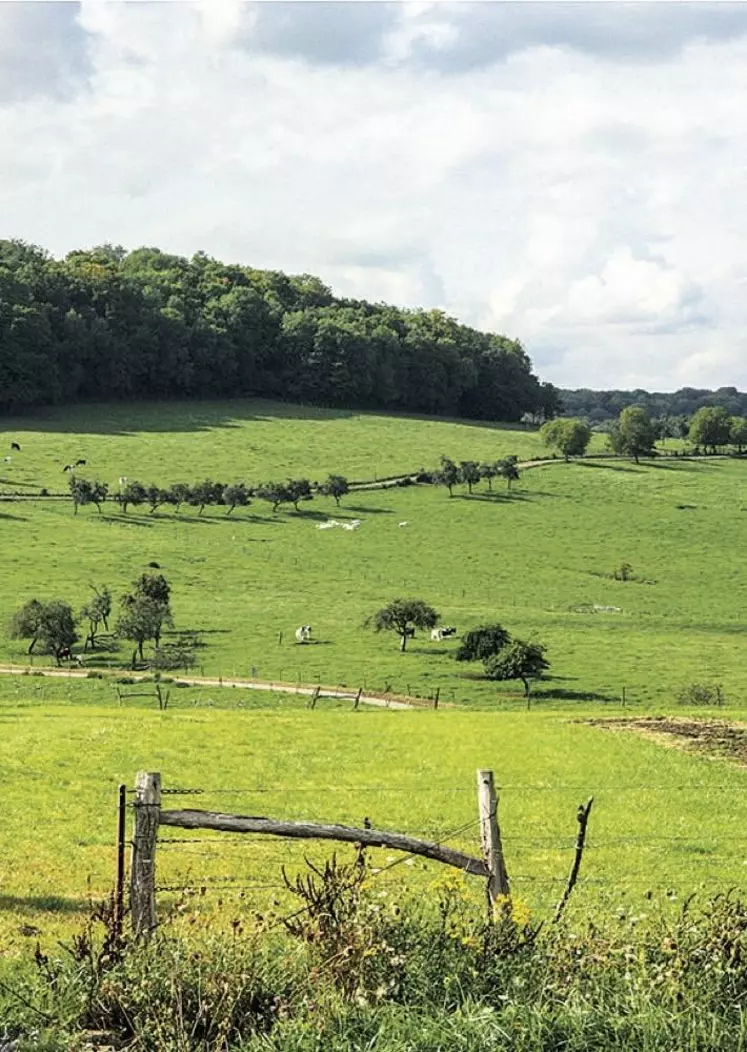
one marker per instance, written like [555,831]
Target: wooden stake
[143,871]
[119,884]
[490,834]
[582,817]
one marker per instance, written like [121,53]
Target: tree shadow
[9,515]
[610,467]
[565,694]
[366,510]
[494,498]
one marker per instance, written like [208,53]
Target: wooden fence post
[143,872]
[490,835]
[120,878]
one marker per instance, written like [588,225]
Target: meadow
[539,559]
[665,823]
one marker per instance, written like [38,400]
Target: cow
[80,463]
[7,460]
[439,634]
[123,480]
[15,446]
[303,634]
[68,467]
[402,523]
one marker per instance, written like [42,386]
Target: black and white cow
[303,634]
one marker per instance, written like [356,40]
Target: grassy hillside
[539,560]
[184,441]
[663,821]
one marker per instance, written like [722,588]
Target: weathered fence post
[120,878]
[143,872]
[490,835]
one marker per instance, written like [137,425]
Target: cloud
[43,49]
[590,207]
[320,31]
[455,37]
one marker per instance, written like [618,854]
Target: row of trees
[503,658]
[635,434]
[470,472]
[108,324]
[204,494]
[144,613]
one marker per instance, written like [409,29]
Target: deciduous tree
[403,616]
[570,437]
[518,660]
[482,642]
[633,434]
[335,486]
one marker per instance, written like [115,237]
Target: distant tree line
[108,324]
[600,406]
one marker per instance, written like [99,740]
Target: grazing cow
[303,634]
[8,460]
[403,523]
[64,654]
[15,446]
[439,634]
[68,467]
[80,463]
[123,480]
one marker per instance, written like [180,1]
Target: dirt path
[382,701]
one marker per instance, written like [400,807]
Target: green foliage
[145,612]
[624,572]
[448,475]
[335,486]
[508,468]
[710,428]
[518,660]
[488,471]
[570,437]
[96,612]
[84,492]
[275,493]
[205,493]
[235,496]
[738,432]
[633,434]
[131,493]
[469,473]
[51,625]
[403,616]
[678,406]
[481,643]
[697,694]
[159,325]
[298,490]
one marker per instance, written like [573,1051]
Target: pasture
[665,823]
[540,559]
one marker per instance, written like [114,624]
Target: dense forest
[109,324]
[600,406]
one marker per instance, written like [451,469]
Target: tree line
[711,430]
[107,324]
[600,406]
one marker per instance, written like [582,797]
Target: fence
[150,816]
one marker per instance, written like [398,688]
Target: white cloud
[587,203]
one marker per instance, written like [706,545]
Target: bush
[706,694]
[95,675]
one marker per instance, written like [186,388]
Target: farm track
[382,701]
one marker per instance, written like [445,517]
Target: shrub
[701,694]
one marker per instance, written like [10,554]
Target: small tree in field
[205,493]
[177,495]
[51,625]
[84,492]
[142,618]
[335,486]
[275,493]
[710,427]
[633,434]
[508,468]
[448,475]
[488,471]
[155,496]
[235,496]
[469,473]
[570,437]
[26,623]
[482,642]
[403,616]
[132,493]
[299,489]
[96,612]
[518,660]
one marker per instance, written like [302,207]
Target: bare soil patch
[717,738]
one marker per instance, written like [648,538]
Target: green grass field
[538,559]
[663,821]
[253,440]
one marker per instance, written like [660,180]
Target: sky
[573,175]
